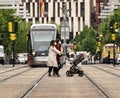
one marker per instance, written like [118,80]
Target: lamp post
[64,27]
[113,36]
[113,30]
[99,40]
[12,32]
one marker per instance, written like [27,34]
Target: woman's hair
[58,41]
[52,43]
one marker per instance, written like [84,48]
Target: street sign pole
[13,38]
[13,45]
[65,27]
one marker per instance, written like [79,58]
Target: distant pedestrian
[52,61]
[108,57]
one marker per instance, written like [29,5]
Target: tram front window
[43,35]
[41,40]
[41,45]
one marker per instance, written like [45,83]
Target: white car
[2,55]
[22,58]
[117,58]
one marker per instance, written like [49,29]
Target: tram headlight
[33,53]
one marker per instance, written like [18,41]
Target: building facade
[104,8]
[79,12]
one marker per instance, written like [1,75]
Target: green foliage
[104,28]
[21,41]
[89,45]
[86,40]
[21,36]
[5,17]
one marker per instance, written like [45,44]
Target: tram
[39,38]
[108,50]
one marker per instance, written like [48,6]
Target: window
[76,9]
[70,9]
[46,8]
[68,0]
[78,23]
[54,0]
[54,9]
[76,0]
[58,10]
[82,9]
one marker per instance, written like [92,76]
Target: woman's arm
[56,51]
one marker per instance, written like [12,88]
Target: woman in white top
[52,61]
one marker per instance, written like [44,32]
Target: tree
[21,41]
[21,36]
[104,28]
[88,45]
[5,17]
[86,40]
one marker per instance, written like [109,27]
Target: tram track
[109,66]
[8,75]
[38,88]
[2,80]
[34,83]
[20,82]
[32,87]
[109,70]
[98,87]
[104,78]
[9,70]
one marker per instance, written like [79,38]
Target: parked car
[117,58]
[2,55]
[22,58]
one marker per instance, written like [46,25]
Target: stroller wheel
[81,73]
[69,73]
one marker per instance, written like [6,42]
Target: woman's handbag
[62,60]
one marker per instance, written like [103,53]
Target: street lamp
[99,41]
[113,36]
[113,29]
[64,27]
[64,36]
[101,36]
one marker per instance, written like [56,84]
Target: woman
[52,61]
[58,46]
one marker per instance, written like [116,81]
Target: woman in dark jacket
[58,47]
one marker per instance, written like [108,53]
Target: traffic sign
[13,36]
[10,27]
[113,36]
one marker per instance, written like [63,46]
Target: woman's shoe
[58,75]
[49,75]
[53,74]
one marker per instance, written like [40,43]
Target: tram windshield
[42,38]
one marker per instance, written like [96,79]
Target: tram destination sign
[9,2]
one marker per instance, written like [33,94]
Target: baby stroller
[74,69]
